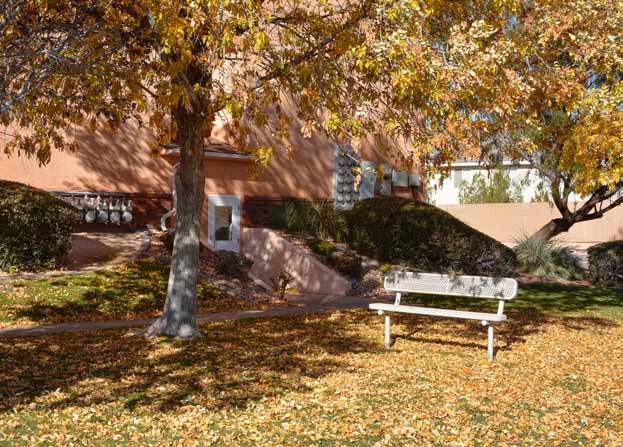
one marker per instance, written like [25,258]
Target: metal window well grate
[99,207]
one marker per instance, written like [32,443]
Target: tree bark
[179,316]
[552,229]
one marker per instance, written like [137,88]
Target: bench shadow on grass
[536,307]
[507,334]
[233,364]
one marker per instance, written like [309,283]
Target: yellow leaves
[308,128]
[321,379]
[262,155]
[261,41]
[593,150]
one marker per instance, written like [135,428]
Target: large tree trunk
[552,229]
[179,315]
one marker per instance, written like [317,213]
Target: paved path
[93,252]
[309,305]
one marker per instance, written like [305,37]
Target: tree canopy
[539,80]
[177,65]
[547,87]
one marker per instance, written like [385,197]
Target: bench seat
[431,311]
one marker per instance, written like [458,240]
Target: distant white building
[447,192]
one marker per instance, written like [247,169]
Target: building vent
[385,188]
[345,192]
[368,180]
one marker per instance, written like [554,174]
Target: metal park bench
[501,289]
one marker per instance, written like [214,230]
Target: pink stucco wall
[122,161]
[105,161]
[273,254]
[508,221]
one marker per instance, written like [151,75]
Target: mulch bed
[242,287]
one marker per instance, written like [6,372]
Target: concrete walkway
[92,252]
[308,305]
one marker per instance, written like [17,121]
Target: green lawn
[136,290]
[326,380]
[535,299]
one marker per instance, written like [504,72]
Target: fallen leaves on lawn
[322,380]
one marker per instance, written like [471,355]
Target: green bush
[320,247]
[232,264]
[36,228]
[385,269]
[346,263]
[606,263]
[403,231]
[550,259]
[316,217]
[495,187]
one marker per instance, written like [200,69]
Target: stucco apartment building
[129,166]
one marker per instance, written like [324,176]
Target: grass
[321,380]
[136,290]
[537,299]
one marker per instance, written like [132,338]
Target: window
[223,223]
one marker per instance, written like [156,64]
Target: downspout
[171,212]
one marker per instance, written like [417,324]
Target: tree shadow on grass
[233,364]
[137,290]
[240,362]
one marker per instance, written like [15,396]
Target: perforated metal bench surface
[501,289]
[454,285]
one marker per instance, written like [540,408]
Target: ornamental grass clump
[548,258]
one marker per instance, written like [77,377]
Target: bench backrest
[456,285]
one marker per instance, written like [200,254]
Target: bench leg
[388,340]
[490,343]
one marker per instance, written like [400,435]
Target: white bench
[501,289]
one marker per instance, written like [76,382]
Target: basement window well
[223,222]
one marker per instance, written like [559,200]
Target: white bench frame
[501,289]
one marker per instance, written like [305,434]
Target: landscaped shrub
[348,264]
[320,247]
[548,258]
[426,238]
[316,217]
[35,227]
[606,263]
[232,264]
[291,215]
[325,221]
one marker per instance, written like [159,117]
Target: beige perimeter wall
[505,221]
